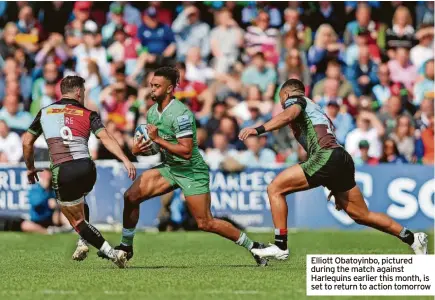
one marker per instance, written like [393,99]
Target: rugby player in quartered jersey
[327,164]
[66,126]
[171,125]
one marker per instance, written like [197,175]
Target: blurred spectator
[54,16]
[333,71]
[48,97]
[327,14]
[164,15]
[74,30]
[402,70]
[218,112]
[256,155]
[229,127]
[342,121]
[15,81]
[330,93]
[54,50]
[363,73]
[8,43]
[190,32]
[14,116]
[364,21]
[10,144]
[226,39]
[91,49]
[362,40]
[294,64]
[157,38]
[260,74]
[253,9]
[103,153]
[427,137]
[221,150]
[131,14]
[368,128]
[425,13]
[292,23]
[197,69]
[29,30]
[45,215]
[425,86]
[401,35]
[423,114]
[263,38]
[403,136]
[390,113]
[194,94]
[425,48]
[390,153]
[325,48]
[250,110]
[50,76]
[386,88]
[364,158]
[114,20]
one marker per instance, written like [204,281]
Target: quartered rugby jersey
[66,126]
[312,128]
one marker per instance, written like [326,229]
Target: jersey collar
[167,106]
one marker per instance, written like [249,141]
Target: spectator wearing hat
[10,144]
[365,158]
[91,49]
[364,20]
[74,30]
[363,73]
[424,51]
[368,127]
[164,15]
[114,22]
[401,34]
[226,39]
[190,32]
[425,86]
[342,121]
[402,70]
[157,39]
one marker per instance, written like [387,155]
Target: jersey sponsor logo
[69,111]
[183,122]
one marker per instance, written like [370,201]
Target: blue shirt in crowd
[156,39]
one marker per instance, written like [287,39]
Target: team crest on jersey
[183,122]
[69,111]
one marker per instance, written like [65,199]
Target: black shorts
[73,180]
[332,168]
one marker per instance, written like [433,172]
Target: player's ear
[170,89]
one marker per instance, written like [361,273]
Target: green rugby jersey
[175,121]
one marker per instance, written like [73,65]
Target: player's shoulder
[178,108]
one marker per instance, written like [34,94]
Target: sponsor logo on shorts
[69,111]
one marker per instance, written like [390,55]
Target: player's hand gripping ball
[143,145]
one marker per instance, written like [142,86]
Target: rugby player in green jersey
[172,126]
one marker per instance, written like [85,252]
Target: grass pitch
[178,266]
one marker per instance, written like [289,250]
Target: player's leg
[148,185]
[74,212]
[82,248]
[199,207]
[352,201]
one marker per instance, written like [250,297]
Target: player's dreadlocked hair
[170,73]
[295,87]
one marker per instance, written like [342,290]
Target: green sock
[245,241]
[127,236]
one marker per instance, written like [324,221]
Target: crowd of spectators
[370,66]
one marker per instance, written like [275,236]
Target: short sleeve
[301,101]
[36,128]
[183,125]
[96,123]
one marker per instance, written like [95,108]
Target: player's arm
[29,139]
[277,122]
[111,144]
[183,148]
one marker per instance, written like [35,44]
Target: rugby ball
[141,130]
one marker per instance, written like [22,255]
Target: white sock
[108,250]
[245,241]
